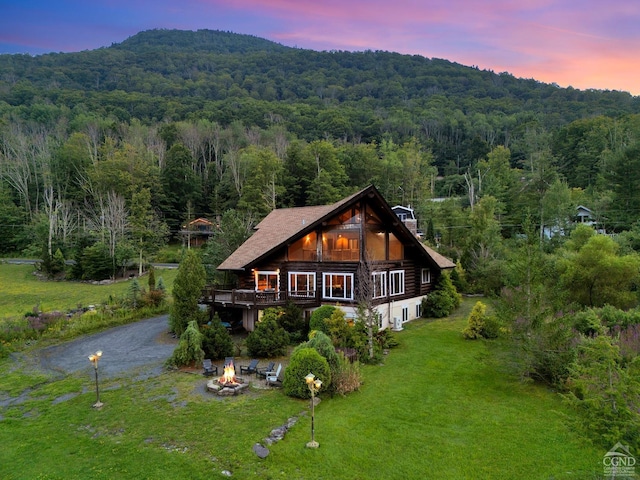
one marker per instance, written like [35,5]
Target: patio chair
[251,368]
[209,368]
[262,371]
[229,360]
[272,377]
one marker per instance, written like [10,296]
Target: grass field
[439,407]
[21,291]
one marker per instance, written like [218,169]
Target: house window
[376,244]
[395,248]
[396,282]
[341,244]
[418,309]
[426,276]
[304,249]
[302,284]
[337,286]
[405,313]
[379,281]
[266,280]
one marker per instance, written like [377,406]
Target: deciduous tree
[595,275]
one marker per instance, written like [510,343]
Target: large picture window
[376,244]
[302,284]
[337,286]
[341,244]
[396,282]
[396,250]
[379,280]
[304,249]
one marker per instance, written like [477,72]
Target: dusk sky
[579,43]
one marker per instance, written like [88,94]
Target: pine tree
[187,289]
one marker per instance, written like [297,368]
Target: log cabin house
[314,255]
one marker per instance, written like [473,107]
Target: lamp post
[93,358]
[314,385]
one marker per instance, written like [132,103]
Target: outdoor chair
[251,368]
[228,361]
[209,368]
[272,377]
[262,371]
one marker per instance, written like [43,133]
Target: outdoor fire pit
[228,384]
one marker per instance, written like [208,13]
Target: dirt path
[141,345]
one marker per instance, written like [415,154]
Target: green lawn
[21,291]
[440,407]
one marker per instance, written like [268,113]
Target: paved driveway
[143,345]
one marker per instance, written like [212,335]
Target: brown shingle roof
[442,261]
[200,220]
[278,227]
[282,224]
[275,229]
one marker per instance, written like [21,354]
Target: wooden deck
[256,299]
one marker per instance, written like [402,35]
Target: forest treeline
[172,125]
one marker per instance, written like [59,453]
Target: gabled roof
[582,208]
[278,227]
[200,220]
[442,261]
[275,229]
[286,224]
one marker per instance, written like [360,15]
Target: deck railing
[261,298]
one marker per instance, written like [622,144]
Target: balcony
[242,298]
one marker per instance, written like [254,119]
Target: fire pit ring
[228,384]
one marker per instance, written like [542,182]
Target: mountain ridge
[172,75]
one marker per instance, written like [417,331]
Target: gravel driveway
[141,345]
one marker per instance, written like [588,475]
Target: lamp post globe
[93,358]
[314,385]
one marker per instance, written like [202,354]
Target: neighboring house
[196,232]
[583,215]
[312,255]
[408,217]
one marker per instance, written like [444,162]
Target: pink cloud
[569,44]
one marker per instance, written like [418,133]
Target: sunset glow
[580,44]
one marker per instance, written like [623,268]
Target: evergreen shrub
[443,300]
[387,339]
[189,349]
[318,318]
[96,262]
[216,341]
[187,289]
[604,392]
[322,344]
[269,339]
[304,361]
[340,330]
[292,320]
[481,325]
